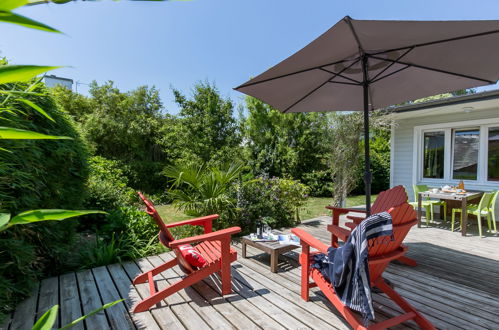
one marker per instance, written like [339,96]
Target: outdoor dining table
[463,198]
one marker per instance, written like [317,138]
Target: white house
[52,81]
[446,141]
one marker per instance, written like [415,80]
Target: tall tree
[294,145]
[124,126]
[208,129]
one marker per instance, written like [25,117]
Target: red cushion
[193,257]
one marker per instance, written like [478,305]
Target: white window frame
[482,175]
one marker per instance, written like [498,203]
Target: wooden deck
[456,285]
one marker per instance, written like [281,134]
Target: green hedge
[38,174]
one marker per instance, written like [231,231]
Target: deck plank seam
[100,297]
[120,297]
[266,313]
[214,289]
[206,282]
[221,315]
[158,321]
[180,298]
[323,298]
[297,305]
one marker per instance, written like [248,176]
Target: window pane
[433,163]
[466,143]
[493,162]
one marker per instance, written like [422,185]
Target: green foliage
[33,216]
[200,190]
[122,126]
[128,233]
[39,174]
[288,145]
[107,185]
[40,245]
[47,320]
[278,200]
[380,161]
[21,73]
[100,252]
[34,175]
[9,133]
[206,128]
[16,258]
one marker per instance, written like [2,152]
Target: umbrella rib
[291,73]
[316,88]
[438,41]
[390,65]
[340,75]
[392,73]
[434,69]
[349,22]
[343,83]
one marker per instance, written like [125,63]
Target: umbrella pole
[367,159]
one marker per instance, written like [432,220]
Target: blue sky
[180,43]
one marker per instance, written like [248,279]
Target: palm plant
[198,190]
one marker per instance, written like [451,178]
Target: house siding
[403,147]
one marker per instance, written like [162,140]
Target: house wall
[402,142]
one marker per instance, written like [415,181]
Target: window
[433,163]
[466,143]
[493,154]
[446,153]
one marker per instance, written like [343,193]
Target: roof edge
[482,96]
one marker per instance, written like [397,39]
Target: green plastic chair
[427,203]
[492,210]
[484,208]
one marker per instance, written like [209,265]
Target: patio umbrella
[360,65]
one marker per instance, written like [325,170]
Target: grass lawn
[170,214]
[313,208]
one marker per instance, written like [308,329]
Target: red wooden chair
[381,252]
[213,246]
[385,200]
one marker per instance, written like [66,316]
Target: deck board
[90,300]
[455,285]
[48,296]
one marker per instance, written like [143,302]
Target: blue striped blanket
[346,267]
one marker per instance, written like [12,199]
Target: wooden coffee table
[272,248]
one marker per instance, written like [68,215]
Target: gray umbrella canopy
[359,65]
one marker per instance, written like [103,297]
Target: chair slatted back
[389,198]
[165,236]
[493,202]
[403,218]
[486,200]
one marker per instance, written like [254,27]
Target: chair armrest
[343,210]
[202,221]
[214,236]
[356,220]
[339,232]
[309,240]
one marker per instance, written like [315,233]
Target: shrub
[100,252]
[319,183]
[275,198]
[107,185]
[128,233]
[42,174]
[37,174]
[198,190]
